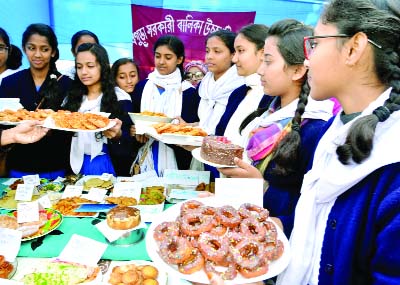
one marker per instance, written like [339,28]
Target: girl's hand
[115,132]
[243,170]
[142,138]
[132,130]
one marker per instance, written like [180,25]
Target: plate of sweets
[15,117]
[134,272]
[49,220]
[218,151]
[203,235]
[79,122]
[149,117]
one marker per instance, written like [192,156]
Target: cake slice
[220,150]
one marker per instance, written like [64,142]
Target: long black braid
[290,33]
[383,28]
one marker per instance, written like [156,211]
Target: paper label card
[145,176]
[95,194]
[83,250]
[10,243]
[186,177]
[106,176]
[236,191]
[24,192]
[28,212]
[31,179]
[183,194]
[72,191]
[44,201]
[127,189]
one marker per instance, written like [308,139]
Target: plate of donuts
[129,272]
[242,245]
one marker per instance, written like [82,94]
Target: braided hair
[290,34]
[109,101]
[51,94]
[351,17]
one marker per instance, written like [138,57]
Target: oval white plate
[172,213]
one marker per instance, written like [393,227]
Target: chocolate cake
[220,150]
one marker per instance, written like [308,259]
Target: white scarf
[169,103]
[249,104]
[326,181]
[122,95]
[85,142]
[214,97]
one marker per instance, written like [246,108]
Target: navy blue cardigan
[363,232]
[50,153]
[190,104]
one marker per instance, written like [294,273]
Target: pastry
[123,218]
[220,150]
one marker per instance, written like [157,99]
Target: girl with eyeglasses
[10,56]
[93,91]
[195,71]
[347,220]
[280,138]
[40,86]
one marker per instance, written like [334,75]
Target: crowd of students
[331,180]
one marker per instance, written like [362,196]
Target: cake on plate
[220,150]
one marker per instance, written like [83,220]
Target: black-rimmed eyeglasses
[310,43]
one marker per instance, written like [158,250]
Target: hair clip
[53,76]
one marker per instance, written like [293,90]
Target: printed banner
[148,24]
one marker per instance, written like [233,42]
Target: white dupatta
[214,97]
[170,103]
[326,181]
[86,143]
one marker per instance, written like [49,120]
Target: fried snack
[81,121]
[180,129]
[98,183]
[152,195]
[23,114]
[149,113]
[5,268]
[67,206]
[122,201]
[132,274]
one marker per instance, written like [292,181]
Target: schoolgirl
[39,86]
[93,91]
[165,91]
[10,56]
[347,220]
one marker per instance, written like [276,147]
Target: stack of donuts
[203,238]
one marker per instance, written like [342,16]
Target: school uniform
[123,150]
[347,220]
[49,156]
[177,98]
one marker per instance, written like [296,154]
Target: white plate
[162,275]
[196,155]
[49,123]
[170,138]
[172,213]
[82,181]
[8,123]
[139,117]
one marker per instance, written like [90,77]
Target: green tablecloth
[52,244]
